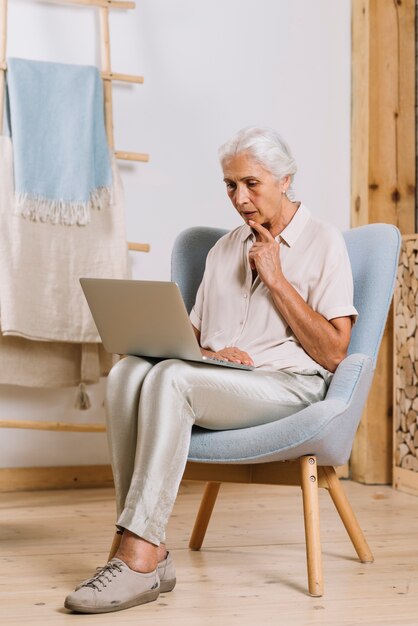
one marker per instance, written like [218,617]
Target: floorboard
[250,571]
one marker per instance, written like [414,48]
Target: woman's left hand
[265,256]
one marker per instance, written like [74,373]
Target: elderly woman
[277,293]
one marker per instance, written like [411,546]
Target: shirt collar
[292,231]
[296,225]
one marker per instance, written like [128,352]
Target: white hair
[267,147]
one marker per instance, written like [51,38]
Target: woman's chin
[249,216]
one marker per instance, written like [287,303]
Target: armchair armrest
[325,428]
[343,383]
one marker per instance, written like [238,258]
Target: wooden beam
[383,181]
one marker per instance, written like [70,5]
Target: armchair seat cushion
[325,428]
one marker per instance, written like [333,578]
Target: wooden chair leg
[309,478]
[115,545]
[348,518]
[205,511]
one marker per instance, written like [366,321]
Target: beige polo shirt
[231,310]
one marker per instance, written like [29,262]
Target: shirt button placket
[242,320]
[244,317]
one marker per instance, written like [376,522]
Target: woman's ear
[285,183]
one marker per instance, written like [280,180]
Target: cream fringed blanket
[51,364]
[40,296]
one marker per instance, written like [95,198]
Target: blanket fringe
[68,213]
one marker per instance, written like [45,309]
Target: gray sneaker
[114,587]
[167,574]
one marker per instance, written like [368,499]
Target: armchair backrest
[373,251]
[189,257]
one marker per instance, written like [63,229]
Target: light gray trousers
[151,408]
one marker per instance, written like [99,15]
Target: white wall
[210,68]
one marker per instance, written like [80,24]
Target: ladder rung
[132,156]
[126,78]
[61,426]
[107,4]
[138,247]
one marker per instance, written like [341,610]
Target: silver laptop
[144,318]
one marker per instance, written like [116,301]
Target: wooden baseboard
[405,480]
[39,478]
[74,477]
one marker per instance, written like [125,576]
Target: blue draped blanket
[61,157]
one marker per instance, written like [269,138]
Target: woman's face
[254,191]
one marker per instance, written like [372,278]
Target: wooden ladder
[108,77]
[106,71]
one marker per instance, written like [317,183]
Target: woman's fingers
[265,258]
[235,355]
[263,232]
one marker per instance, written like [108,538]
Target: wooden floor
[251,571]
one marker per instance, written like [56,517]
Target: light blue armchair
[302,449]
